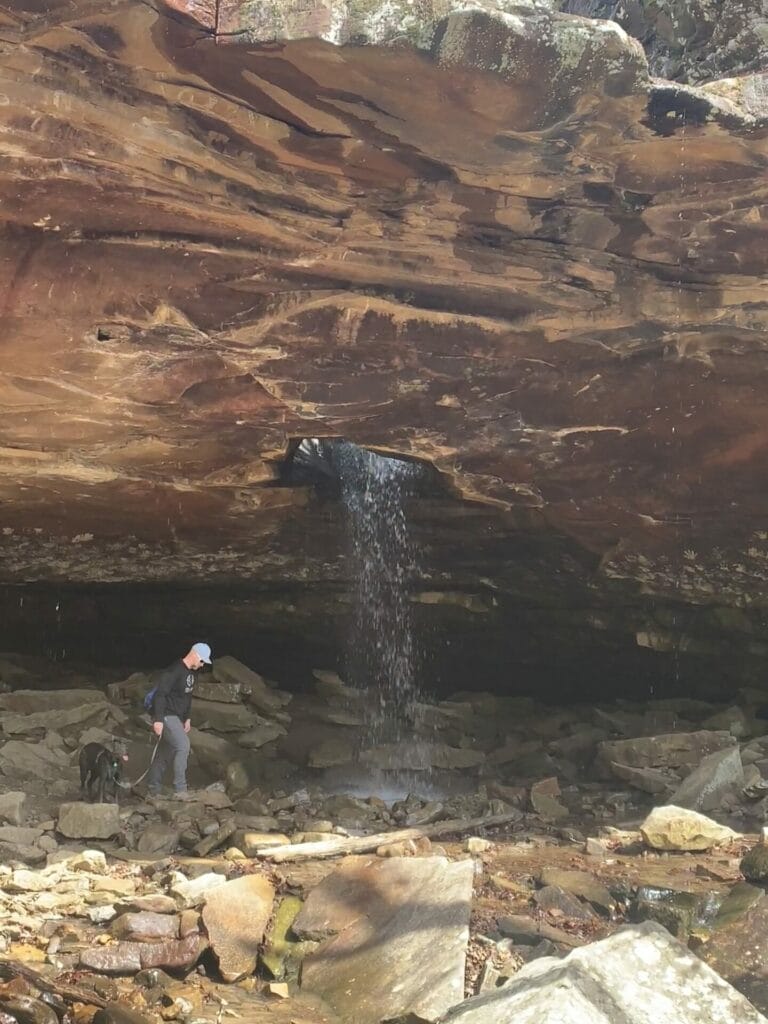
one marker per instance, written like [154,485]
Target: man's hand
[187,725]
[157,729]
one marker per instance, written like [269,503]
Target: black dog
[100,769]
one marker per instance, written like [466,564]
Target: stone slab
[639,975]
[401,927]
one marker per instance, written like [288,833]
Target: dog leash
[130,785]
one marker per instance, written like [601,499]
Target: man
[170,715]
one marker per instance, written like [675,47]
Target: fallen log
[10,969]
[338,847]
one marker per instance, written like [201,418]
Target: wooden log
[339,847]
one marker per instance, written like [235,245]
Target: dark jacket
[174,692]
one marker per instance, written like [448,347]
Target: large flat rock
[235,916]
[401,934]
[640,975]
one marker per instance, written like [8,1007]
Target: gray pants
[174,747]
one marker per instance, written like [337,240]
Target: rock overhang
[512,254]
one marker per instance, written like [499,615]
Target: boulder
[12,807]
[669,750]
[400,929]
[639,975]
[24,724]
[31,702]
[261,734]
[89,821]
[211,752]
[24,853]
[677,828]
[237,780]
[737,944]
[718,776]
[544,800]
[229,670]
[18,834]
[235,917]
[650,780]
[37,760]
[158,839]
[221,717]
[211,689]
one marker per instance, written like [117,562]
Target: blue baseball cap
[203,651]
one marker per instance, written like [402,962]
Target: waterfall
[381,651]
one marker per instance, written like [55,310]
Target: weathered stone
[615,981]
[193,892]
[754,863]
[145,926]
[432,811]
[552,897]
[650,780]
[209,689]
[34,759]
[229,670]
[235,917]
[24,853]
[237,780]
[527,932]
[92,861]
[476,844]
[387,913]
[59,719]
[130,957]
[31,702]
[249,842]
[154,903]
[667,751]
[116,958]
[718,776]
[158,839]
[89,821]
[211,751]
[676,911]
[331,752]
[116,1013]
[12,807]
[543,800]
[260,735]
[18,834]
[676,828]
[737,945]
[221,717]
[581,884]
[215,839]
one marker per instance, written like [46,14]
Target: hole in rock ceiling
[333,464]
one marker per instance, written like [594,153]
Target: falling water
[382,654]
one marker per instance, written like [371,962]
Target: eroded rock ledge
[512,253]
